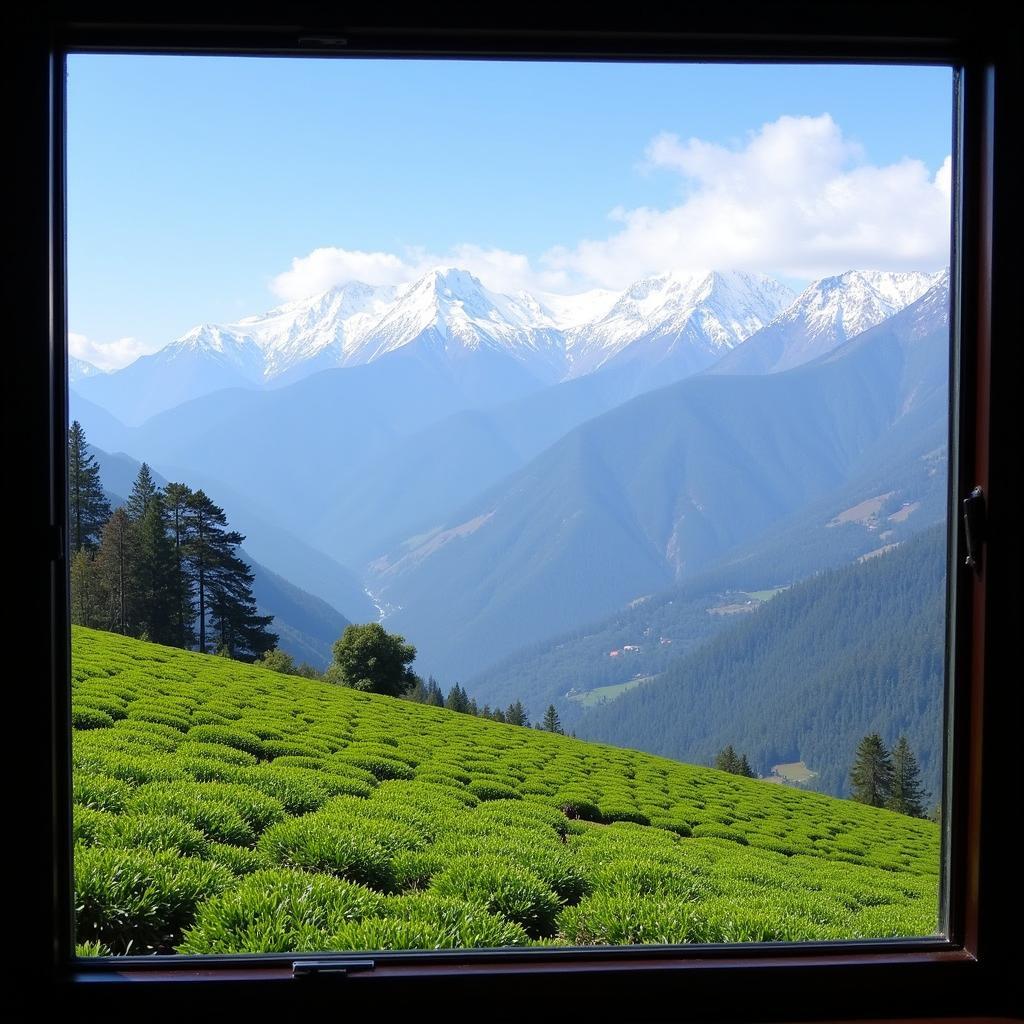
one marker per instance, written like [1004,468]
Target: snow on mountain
[221,346]
[568,311]
[824,315]
[665,327]
[690,316]
[79,369]
[317,332]
[451,310]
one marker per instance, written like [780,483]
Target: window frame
[969,972]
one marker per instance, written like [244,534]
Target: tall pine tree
[551,720]
[222,583]
[155,573]
[88,508]
[872,772]
[176,500]
[143,491]
[906,794]
[116,562]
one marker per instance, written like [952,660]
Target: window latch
[323,968]
[974,527]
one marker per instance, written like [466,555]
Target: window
[830,971]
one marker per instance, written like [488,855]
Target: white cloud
[109,355]
[329,266]
[796,199]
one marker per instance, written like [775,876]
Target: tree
[155,572]
[222,582]
[176,509]
[515,714]
[368,658]
[144,490]
[727,760]
[278,661]
[457,700]
[116,565]
[551,721]
[906,794]
[88,508]
[872,772]
[87,603]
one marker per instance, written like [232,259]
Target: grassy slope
[224,808]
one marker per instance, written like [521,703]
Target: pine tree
[872,772]
[176,500]
[457,700]
[155,573]
[88,508]
[744,768]
[434,696]
[727,761]
[221,581]
[143,491]
[515,714]
[116,563]
[241,630]
[551,721]
[906,795]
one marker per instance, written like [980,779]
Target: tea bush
[220,807]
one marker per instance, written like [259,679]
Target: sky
[205,189]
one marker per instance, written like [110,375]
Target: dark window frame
[968,973]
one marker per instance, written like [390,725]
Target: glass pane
[507,502]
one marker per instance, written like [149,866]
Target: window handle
[322,968]
[974,527]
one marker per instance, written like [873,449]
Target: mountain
[676,322]
[884,506]
[658,489]
[79,369]
[824,315]
[446,314]
[306,625]
[206,359]
[853,651]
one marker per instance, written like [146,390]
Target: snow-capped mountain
[688,319]
[453,313]
[659,329]
[315,333]
[824,315]
[80,369]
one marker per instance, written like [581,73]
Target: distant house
[614,654]
[631,647]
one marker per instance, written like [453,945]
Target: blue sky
[206,189]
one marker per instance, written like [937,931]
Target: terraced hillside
[222,808]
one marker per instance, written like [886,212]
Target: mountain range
[496,470]
[680,321]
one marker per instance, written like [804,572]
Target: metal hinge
[323,968]
[974,527]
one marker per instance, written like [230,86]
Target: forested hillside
[850,652]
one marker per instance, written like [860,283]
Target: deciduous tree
[367,657]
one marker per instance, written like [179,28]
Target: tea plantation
[222,808]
